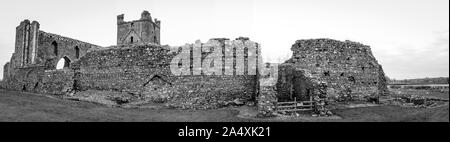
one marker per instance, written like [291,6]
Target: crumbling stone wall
[65,47]
[33,64]
[143,71]
[236,79]
[349,68]
[127,68]
[6,71]
[26,79]
[57,82]
[138,73]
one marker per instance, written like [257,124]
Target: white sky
[410,38]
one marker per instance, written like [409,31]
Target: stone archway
[63,63]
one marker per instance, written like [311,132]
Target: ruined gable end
[348,68]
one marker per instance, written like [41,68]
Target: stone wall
[127,68]
[25,79]
[142,31]
[134,73]
[57,82]
[32,66]
[39,80]
[55,47]
[143,72]
[349,68]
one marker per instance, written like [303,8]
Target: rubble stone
[138,70]
[349,69]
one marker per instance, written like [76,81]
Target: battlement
[142,31]
[145,16]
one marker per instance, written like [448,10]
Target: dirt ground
[20,107]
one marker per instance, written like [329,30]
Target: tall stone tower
[26,43]
[142,31]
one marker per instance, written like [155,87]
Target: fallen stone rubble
[320,109]
[415,101]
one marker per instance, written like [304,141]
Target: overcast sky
[410,38]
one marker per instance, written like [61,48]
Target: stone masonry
[139,71]
[33,63]
[142,31]
[349,69]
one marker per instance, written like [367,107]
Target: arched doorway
[63,63]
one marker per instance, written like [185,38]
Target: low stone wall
[57,82]
[25,79]
[39,80]
[211,91]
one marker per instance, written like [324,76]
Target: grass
[432,93]
[20,107]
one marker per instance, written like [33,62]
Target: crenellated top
[145,16]
[141,31]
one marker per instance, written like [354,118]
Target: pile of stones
[415,101]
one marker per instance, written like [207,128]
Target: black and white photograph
[224,63]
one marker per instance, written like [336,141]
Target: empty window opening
[55,48]
[63,63]
[131,39]
[77,52]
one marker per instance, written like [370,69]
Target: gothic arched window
[77,52]
[55,48]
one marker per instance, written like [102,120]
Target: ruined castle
[142,31]
[137,70]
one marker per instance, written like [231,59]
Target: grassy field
[443,94]
[20,107]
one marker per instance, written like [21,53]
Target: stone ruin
[324,70]
[348,70]
[142,31]
[137,71]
